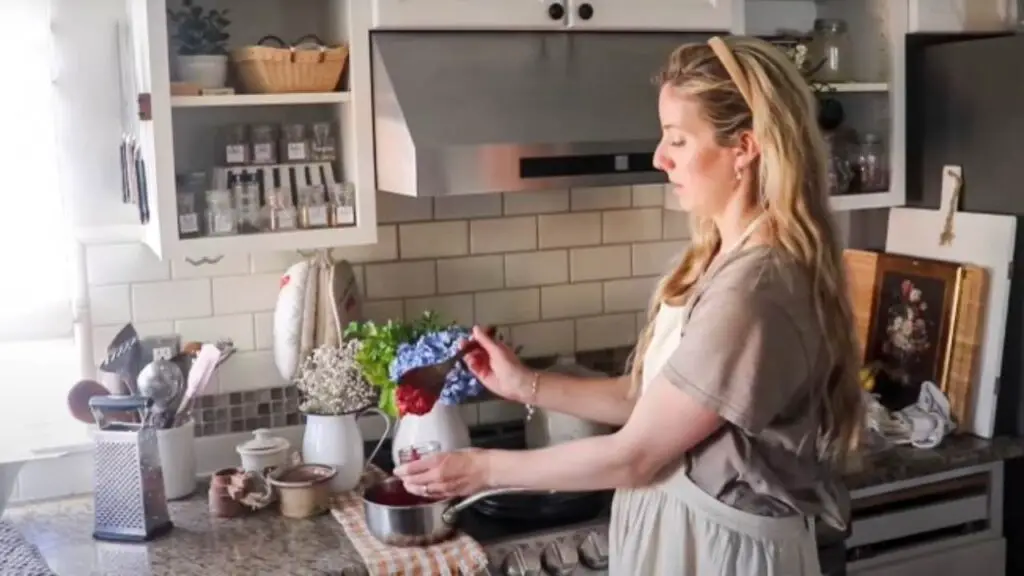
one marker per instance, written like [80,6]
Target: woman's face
[703,173]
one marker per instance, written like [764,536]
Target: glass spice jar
[236,146]
[322,146]
[220,213]
[246,193]
[264,145]
[313,209]
[417,451]
[190,190]
[343,204]
[294,144]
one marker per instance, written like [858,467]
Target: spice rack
[205,199]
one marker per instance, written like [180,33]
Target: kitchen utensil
[129,499]
[78,399]
[163,382]
[398,518]
[263,451]
[199,376]
[430,378]
[303,490]
[124,357]
[140,171]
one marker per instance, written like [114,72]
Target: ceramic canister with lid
[263,451]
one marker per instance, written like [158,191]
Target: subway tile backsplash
[559,271]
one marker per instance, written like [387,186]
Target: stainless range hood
[478,112]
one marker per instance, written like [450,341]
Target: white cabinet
[953,16]
[184,134]
[985,557]
[682,15]
[469,14]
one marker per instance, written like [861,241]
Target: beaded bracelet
[533,396]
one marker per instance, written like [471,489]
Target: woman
[743,396]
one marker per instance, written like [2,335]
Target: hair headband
[728,60]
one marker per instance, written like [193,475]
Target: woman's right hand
[498,369]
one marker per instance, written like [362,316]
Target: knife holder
[130,504]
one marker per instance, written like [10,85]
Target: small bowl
[303,490]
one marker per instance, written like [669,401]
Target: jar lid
[263,443]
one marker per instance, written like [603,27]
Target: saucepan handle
[452,512]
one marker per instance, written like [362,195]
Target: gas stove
[578,550]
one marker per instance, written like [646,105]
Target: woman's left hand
[447,474]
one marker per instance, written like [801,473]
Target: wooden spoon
[430,378]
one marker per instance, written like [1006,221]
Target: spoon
[430,378]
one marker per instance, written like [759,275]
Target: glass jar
[829,51]
[264,145]
[220,213]
[417,451]
[322,147]
[313,209]
[840,172]
[236,145]
[190,190]
[343,204]
[294,144]
[871,164]
[246,193]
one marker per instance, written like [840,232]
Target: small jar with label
[280,210]
[294,144]
[313,209]
[220,213]
[236,146]
[343,204]
[247,203]
[322,147]
[264,144]
[190,190]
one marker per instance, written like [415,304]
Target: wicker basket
[306,66]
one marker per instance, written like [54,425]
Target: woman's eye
[676,142]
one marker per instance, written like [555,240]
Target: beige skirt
[676,529]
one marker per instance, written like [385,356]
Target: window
[37,350]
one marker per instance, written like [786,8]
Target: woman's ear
[747,150]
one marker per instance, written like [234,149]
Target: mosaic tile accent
[276,407]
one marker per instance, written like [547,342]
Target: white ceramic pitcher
[443,424]
[335,440]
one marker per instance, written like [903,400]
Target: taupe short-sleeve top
[753,351]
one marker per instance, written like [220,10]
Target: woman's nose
[662,162]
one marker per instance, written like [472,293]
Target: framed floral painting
[909,337]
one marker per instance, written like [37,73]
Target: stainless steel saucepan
[398,519]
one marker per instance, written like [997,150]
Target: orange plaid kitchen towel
[459,555]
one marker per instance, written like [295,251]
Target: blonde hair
[751,85]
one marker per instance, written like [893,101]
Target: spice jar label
[344,216]
[296,151]
[263,153]
[318,216]
[235,154]
[223,223]
[188,223]
[286,219]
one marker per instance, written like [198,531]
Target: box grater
[129,503]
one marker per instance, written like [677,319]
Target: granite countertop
[270,545]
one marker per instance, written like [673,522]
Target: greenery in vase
[378,345]
[199,32]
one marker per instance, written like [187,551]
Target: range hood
[483,112]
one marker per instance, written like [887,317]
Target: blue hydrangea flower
[433,348]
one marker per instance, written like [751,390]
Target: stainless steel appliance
[129,501]
[476,112]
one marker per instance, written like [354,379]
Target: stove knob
[521,562]
[559,559]
[594,551]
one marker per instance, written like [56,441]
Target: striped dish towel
[459,555]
